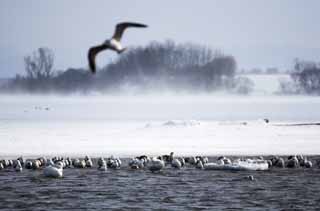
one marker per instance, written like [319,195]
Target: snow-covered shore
[126,126]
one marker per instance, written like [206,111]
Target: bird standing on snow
[113,43]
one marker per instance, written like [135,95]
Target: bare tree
[39,64]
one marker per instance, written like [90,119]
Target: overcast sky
[258,33]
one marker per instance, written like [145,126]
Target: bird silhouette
[113,43]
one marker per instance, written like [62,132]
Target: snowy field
[134,125]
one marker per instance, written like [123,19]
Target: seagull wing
[93,51]
[121,27]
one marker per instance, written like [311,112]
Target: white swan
[89,163]
[155,164]
[79,164]
[18,166]
[308,164]
[292,162]
[102,164]
[114,163]
[136,163]
[199,164]
[55,171]
[176,163]
[113,43]
[191,160]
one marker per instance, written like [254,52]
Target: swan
[89,163]
[176,163]
[136,163]
[199,164]
[155,164]
[102,165]
[277,162]
[5,163]
[112,44]
[114,163]
[191,160]
[28,164]
[22,161]
[18,166]
[36,164]
[79,164]
[54,171]
[292,162]
[225,160]
[308,164]
[167,158]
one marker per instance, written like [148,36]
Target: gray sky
[258,33]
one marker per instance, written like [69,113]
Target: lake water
[185,189]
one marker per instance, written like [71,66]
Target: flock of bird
[53,167]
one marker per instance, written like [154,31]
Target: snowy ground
[126,126]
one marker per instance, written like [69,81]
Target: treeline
[157,66]
[305,79]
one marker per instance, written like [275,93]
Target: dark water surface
[185,189]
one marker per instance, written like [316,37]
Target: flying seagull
[113,43]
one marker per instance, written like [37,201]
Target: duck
[54,171]
[112,44]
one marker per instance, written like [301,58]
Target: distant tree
[242,85]
[73,80]
[39,64]
[272,70]
[179,66]
[306,76]
[164,65]
[287,86]
[256,71]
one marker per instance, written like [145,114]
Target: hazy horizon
[258,34]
